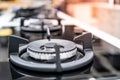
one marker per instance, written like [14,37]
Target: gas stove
[51,56]
[64,58]
[105,66]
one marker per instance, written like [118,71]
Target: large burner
[52,55]
[44,49]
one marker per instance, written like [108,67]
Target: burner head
[40,26]
[44,49]
[36,55]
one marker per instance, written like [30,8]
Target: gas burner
[40,26]
[54,55]
[44,49]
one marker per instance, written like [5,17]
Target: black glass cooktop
[106,66]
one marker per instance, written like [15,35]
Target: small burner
[44,49]
[40,27]
[54,55]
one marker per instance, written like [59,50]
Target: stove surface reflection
[10,72]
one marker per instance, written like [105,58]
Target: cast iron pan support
[58,62]
[69,32]
[42,27]
[22,21]
[48,33]
[57,50]
[86,39]
[14,42]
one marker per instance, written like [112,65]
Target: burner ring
[44,49]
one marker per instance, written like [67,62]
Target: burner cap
[51,45]
[44,49]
